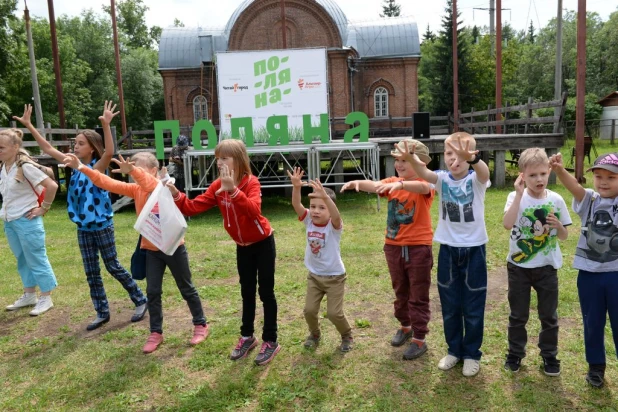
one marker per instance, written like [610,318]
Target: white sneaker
[471,367]
[42,305]
[27,299]
[448,362]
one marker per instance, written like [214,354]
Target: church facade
[372,66]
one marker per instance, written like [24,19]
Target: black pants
[256,267]
[179,266]
[545,281]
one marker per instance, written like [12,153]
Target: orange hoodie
[139,191]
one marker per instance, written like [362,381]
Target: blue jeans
[462,283]
[27,242]
[597,298]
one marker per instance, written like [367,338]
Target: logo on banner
[236,87]
[272,80]
[301,83]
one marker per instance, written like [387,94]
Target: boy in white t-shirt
[323,259]
[462,266]
[536,218]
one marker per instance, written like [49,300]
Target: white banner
[261,84]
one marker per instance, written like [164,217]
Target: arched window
[200,108]
[380,98]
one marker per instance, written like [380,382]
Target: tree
[428,35]
[390,8]
[178,23]
[131,18]
[475,34]
[7,7]
[531,35]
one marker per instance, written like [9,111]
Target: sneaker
[401,337]
[267,353]
[471,367]
[243,347]
[312,341]
[448,362]
[153,342]
[512,363]
[27,299]
[414,351]
[346,344]
[551,366]
[140,312]
[596,375]
[97,323]
[200,333]
[42,305]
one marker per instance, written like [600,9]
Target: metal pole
[580,113]
[558,69]
[35,82]
[455,71]
[55,54]
[284,29]
[123,120]
[492,25]
[498,63]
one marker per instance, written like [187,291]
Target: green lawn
[52,363]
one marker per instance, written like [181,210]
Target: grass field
[51,363]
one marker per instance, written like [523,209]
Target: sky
[215,13]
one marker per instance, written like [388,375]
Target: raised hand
[555,161]
[71,161]
[108,112]
[409,155]
[296,177]
[318,189]
[463,152]
[25,118]
[350,185]
[124,166]
[227,179]
[519,184]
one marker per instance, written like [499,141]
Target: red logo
[301,83]
[235,87]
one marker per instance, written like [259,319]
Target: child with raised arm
[407,245]
[462,267]
[23,223]
[537,217]
[323,260]
[143,169]
[238,195]
[90,208]
[596,256]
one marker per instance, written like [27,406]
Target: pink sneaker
[200,333]
[153,342]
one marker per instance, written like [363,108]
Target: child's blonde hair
[147,158]
[14,136]
[464,137]
[533,156]
[237,150]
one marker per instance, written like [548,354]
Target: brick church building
[372,67]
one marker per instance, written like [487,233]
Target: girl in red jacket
[237,193]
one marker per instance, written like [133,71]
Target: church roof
[183,48]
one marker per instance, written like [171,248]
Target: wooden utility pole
[38,111]
[56,56]
[498,64]
[558,68]
[455,71]
[284,29]
[580,113]
[123,120]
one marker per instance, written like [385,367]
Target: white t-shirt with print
[532,243]
[461,212]
[602,235]
[18,198]
[322,254]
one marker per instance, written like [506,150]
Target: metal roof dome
[183,48]
[387,37]
[331,7]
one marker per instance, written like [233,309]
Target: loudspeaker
[420,121]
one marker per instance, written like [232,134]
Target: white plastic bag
[161,222]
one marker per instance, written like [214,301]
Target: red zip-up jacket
[241,209]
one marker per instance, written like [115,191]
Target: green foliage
[390,8]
